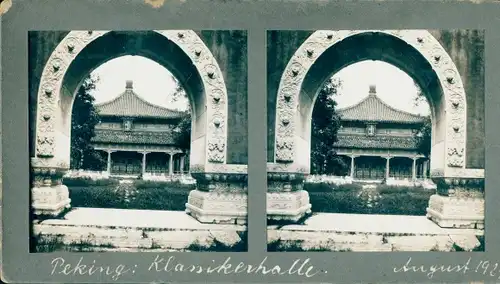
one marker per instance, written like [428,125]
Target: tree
[422,136]
[83,121]
[324,127]
[179,92]
[182,131]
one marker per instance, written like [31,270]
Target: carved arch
[49,140]
[290,146]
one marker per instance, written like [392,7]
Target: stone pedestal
[219,198]
[286,199]
[459,203]
[49,196]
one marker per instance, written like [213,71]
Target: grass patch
[148,184]
[87,181]
[392,200]
[173,195]
[282,223]
[159,199]
[479,248]
[95,196]
[46,244]
[147,195]
[396,189]
[297,246]
[155,245]
[218,246]
[42,217]
[328,188]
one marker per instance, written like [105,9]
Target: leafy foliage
[83,121]
[163,196]
[349,199]
[422,136]
[324,128]
[182,131]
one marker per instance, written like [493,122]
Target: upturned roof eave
[140,116]
[148,105]
[386,109]
[377,148]
[382,121]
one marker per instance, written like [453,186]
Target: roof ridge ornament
[372,90]
[129,85]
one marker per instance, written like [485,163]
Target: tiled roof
[373,109]
[375,142]
[129,104]
[133,137]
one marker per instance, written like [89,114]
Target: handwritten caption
[482,267]
[300,267]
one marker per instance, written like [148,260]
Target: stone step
[137,230]
[363,232]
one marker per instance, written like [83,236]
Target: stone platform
[362,232]
[136,230]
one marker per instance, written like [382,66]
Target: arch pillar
[459,201]
[49,196]
[220,197]
[286,198]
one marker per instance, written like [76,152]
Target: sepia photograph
[138,140]
[376,140]
[232,141]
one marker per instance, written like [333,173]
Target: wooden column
[144,162]
[414,169]
[352,166]
[171,164]
[182,164]
[109,162]
[425,168]
[387,167]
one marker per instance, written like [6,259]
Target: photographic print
[138,140]
[376,140]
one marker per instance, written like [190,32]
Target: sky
[393,86]
[155,83]
[151,81]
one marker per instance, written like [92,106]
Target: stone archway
[188,58]
[209,128]
[447,102]
[324,53]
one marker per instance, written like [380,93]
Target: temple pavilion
[138,136]
[376,139]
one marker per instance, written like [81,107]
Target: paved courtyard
[126,218]
[141,230]
[379,224]
[360,232]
